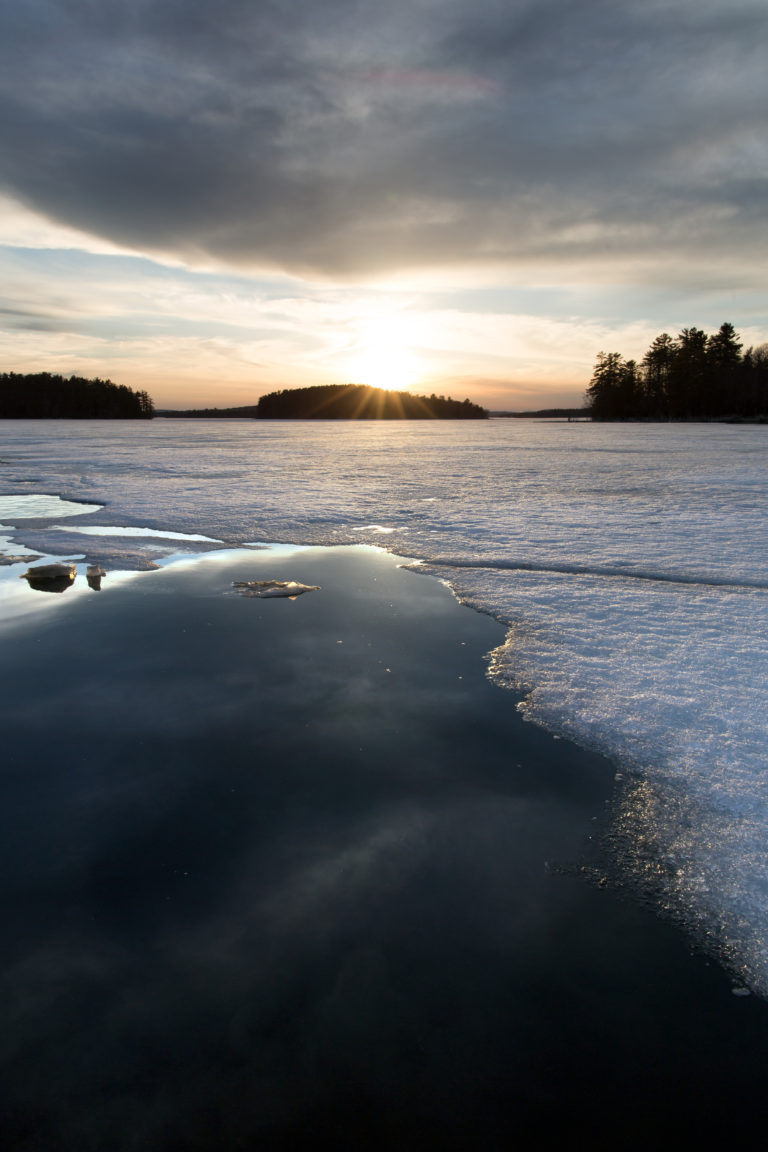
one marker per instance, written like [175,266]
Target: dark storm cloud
[347,135]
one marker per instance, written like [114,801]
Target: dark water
[282,873]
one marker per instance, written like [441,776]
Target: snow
[630,563]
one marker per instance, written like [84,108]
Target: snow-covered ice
[629,562]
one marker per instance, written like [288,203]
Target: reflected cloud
[340,876]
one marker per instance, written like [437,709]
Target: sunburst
[382,358]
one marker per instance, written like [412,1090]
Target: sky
[468,197]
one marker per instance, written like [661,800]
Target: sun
[381,357]
[391,368]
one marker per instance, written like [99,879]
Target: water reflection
[305,871]
[61,577]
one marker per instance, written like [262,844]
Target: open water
[280,874]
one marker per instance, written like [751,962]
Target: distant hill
[362,402]
[45,396]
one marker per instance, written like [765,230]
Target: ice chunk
[273,588]
[51,577]
[94,575]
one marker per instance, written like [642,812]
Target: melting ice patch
[114,545]
[107,530]
[10,552]
[42,507]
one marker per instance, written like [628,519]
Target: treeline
[362,402]
[45,396]
[547,414]
[692,377]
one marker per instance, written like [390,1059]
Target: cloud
[352,138]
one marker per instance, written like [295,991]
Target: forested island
[342,402]
[362,402]
[45,396]
[693,377]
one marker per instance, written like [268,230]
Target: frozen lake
[630,564]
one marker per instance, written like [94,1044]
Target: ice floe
[266,589]
[51,577]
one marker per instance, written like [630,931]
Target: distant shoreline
[577,417]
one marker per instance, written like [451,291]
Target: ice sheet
[631,563]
